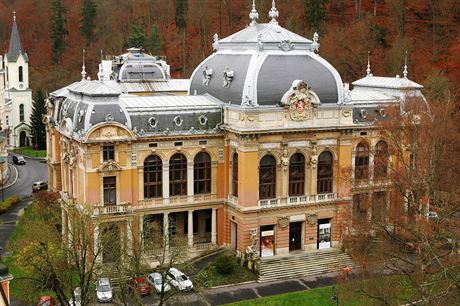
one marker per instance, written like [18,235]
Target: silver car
[155,281]
[104,291]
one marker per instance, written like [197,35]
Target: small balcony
[121,208]
[300,200]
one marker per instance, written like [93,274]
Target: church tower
[16,107]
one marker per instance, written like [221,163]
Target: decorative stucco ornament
[109,118]
[207,75]
[283,222]
[228,77]
[301,100]
[312,218]
[286,45]
[260,44]
[253,15]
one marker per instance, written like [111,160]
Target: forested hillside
[54,32]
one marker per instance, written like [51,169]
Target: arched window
[202,173]
[21,76]
[381,160]
[235,174]
[21,112]
[178,175]
[297,175]
[362,161]
[153,177]
[267,178]
[325,172]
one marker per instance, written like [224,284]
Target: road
[33,170]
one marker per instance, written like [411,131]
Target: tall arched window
[153,177]
[178,175]
[235,174]
[21,112]
[297,175]
[325,173]
[21,75]
[267,177]
[202,173]
[381,160]
[362,161]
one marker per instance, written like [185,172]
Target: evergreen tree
[88,16]
[59,30]
[137,37]
[154,42]
[181,14]
[316,14]
[37,127]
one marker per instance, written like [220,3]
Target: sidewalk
[11,176]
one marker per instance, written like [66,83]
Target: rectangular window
[379,200]
[110,190]
[7,121]
[108,153]
[360,206]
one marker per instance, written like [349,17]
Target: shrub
[5,205]
[226,264]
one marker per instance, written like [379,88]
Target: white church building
[15,94]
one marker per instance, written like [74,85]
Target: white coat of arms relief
[301,101]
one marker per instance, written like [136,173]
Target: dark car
[40,185]
[19,160]
[140,285]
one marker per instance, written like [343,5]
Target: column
[166,183]
[190,178]
[371,165]
[129,236]
[190,228]
[96,250]
[166,229]
[214,226]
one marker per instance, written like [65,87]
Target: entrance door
[233,234]
[324,233]
[22,139]
[295,236]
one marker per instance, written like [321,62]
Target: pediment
[109,166]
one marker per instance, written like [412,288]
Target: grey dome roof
[263,60]
[138,66]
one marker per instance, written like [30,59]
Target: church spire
[15,48]
[253,15]
[273,14]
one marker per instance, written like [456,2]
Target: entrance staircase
[303,263]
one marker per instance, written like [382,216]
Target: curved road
[33,170]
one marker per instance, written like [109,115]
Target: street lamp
[2,163]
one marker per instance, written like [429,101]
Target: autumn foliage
[427,29]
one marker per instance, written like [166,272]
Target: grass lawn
[30,152]
[209,277]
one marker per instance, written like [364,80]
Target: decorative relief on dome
[260,44]
[301,101]
[315,44]
[207,75]
[286,45]
[228,77]
[109,117]
[178,120]
[153,122]
[203,119]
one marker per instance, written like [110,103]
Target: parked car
[19,160]
[39,185]
[46,300]
[104,291]
[179,280]
[77,296]
[155,281]
[139,285]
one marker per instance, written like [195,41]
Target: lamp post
[2,163]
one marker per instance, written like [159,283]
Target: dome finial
[83,71]
[253,15]
[14,15]
[273,14]
[405,72]
[368,70]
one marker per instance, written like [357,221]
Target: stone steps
[304,264]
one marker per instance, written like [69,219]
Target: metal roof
[171,85]
[387,82]
[147,103]
[369,96]
[15,48]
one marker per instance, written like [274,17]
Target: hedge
[9,202]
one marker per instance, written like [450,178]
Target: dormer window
[108,153]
